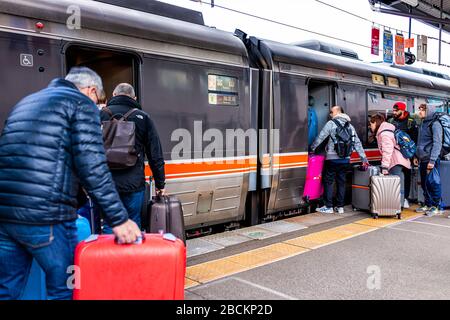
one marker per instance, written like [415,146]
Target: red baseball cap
[400,106]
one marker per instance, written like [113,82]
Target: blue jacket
[51,142]
[429,144]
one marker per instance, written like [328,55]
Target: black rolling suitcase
[361,187]
[145,206]
[445,183]
[166,214]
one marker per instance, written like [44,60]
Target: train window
[438,104]
[379,102]
[113,67]
[321,97]
[223,90]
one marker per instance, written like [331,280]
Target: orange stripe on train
[232,166]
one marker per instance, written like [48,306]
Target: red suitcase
[153,270]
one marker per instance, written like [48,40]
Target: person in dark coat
[428,154]
[130,182]
[51,143]
[404,121]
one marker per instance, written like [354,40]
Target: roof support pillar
[440,35]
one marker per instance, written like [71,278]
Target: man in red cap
[403,120]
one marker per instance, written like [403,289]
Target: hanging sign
[399,49]
[388,47]
[422,48]
[375,41]
[409,43]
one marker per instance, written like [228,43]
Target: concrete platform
[346,258]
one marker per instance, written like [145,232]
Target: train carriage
[291,74]
[208,91]
[179,70]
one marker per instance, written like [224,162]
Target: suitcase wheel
[355,209]
[375,216]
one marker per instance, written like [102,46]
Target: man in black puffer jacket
[130,182]
[51,142]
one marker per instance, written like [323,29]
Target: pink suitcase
[313,185]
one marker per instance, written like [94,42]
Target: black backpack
[344,140]
[119,136]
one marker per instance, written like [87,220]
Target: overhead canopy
[429,11]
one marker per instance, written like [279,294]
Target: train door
[28,64]
[289,149]
[321,97]
[112,66]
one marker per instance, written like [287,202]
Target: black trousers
[335,172]
[407,173]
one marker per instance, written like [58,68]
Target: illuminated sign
[378,79]
[393,82]
[222,83]
[223,99]
[223,90]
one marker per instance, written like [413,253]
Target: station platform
[319,256]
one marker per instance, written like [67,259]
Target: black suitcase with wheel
[145,206]
[166,214]
[445,185]
[361,187]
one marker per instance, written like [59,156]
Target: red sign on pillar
[399,49]
[409,43]
[375,41]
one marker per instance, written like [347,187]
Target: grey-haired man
[51,142]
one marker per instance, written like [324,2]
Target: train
[230,109]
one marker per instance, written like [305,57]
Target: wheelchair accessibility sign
[26,60]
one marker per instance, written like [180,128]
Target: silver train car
[205,89]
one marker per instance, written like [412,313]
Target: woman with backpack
[392,160]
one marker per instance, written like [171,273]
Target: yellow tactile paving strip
[217,269]
[190,283]
[384,222]
[212,270]
[319,239]
[266,255]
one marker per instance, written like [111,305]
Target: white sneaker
[422,209]
[324,209]
[339,210]
[406,204]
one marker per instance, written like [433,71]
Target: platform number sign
[26,60]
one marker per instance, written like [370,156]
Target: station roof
[429,10]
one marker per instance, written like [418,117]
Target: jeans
[133,203]
[335,172]
[432,197]
[399,171]
[52,246]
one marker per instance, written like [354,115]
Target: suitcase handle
[139,241]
